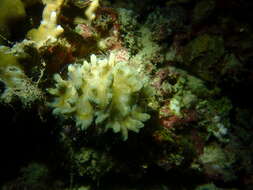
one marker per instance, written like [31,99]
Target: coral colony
[146,91]
[104,90]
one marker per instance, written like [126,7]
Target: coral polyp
[103,92]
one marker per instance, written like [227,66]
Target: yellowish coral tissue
[90,11]
[48,30]
[104,92]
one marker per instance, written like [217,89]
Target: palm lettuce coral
[106,91]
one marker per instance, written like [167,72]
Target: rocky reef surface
[131,95]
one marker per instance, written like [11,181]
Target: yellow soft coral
[48,29]
[105,91]
[90,12]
